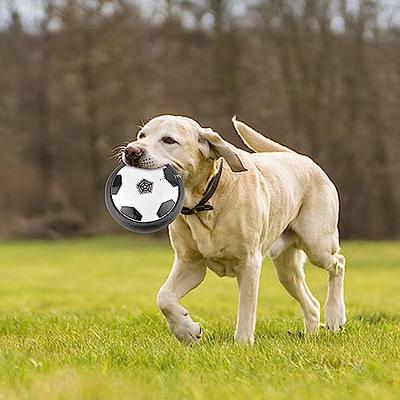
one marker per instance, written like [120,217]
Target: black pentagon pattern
[131,212]
[145,186]
[116,185]
[165,208]
[170,177]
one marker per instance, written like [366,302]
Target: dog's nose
[133,152]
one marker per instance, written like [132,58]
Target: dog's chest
[220,249]
[205,236]
[224,267]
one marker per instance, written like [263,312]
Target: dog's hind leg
[289,267]
[322,249]
[334,262]
[335,310]
[316,227]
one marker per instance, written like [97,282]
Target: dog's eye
[141,136]
[169,140]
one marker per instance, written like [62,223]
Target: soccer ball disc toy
[144,200]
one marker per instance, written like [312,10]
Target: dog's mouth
[144,164]
[143,161]
[147,162]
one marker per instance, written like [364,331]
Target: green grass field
[79,321]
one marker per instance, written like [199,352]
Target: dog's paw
[244,339]
[187,331]
[311,326]
[335,317]
[243,336]
[311,318]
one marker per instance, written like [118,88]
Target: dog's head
[181,142]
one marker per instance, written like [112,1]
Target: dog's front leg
[184,277]
[248,281]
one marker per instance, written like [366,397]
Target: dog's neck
[196,183]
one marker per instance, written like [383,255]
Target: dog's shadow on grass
[275,330]
[265,331]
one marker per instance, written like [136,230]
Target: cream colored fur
[280,205]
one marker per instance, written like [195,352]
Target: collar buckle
[196,209]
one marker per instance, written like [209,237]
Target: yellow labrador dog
[272,202]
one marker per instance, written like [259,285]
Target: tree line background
[321,76]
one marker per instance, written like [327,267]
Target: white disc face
[145,190]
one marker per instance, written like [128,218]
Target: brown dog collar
[209,192]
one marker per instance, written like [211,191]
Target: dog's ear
[213,146]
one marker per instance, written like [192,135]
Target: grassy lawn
[79,321]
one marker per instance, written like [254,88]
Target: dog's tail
[255,140]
